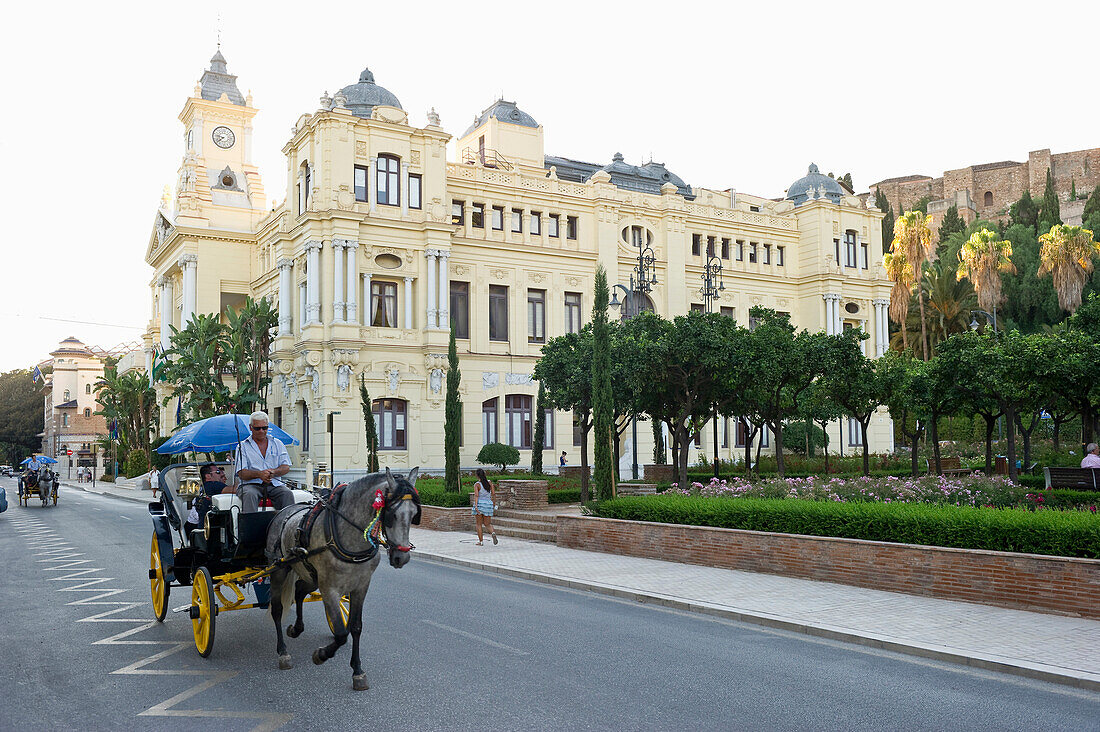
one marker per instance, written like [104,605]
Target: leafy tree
[452,427]
[539,440]
[1030,303]
[603,402]
[1025,212]
[913,237]
[968,363]
[904,384]
[1050,213]
[921,204]
[250,333]
[1072,189]
[497,453]
[371,427]
[130,402]
[1092,206]
[20,416]
[952,223]
[852,381]
[982,260]
[137,462]
[882,204]
[819,408]
[1067,253]
[803,437]
[565,369]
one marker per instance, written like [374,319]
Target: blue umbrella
[217,434]
[41,459]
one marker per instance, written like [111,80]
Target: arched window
[636,303]
[67,396]
[519,416]
[87,411]
[988,198]
[489,421]
[87,388]
[389,180]
[389,422]
[64,420]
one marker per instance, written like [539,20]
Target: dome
[71,347]
[504,112]
[814,185]
[365,95]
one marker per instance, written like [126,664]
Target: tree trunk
[684,445]
[923,326]
[1010,422]
[935,435]
[916,449]
[866,448]
[1057,433]
[749,437]
[990,423]
[825,446]
[1035,419]
[779,466]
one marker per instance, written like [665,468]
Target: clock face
[223,137]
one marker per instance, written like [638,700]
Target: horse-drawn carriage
[41,483]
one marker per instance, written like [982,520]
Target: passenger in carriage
[213,483]
[261,462]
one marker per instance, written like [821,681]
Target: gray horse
[47,484]
[337,559]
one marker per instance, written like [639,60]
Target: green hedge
[1059,533]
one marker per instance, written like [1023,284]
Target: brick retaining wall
[437,518]
[522,494]
[1022,581]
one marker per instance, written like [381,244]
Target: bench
[1085,479]
[948,466]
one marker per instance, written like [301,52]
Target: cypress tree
[538,442]
[1072,189]
[1092,205]
[658,442]
[952,223]
[602,400]
[1050,212]
[1025,212]
[452,426]
[368,422]
[883,204]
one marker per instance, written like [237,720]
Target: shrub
[796,435]
[496,453]
[1058,533]
[137,462]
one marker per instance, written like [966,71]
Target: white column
[882,326]
[352,248]
[828,313]
[337,280]
[166,312]
[408,303]
[149,362]
[433,310]
[367,312]
[444,292]
[838,326]
[404,188]
[313,272]
[303,304]
[285,267]
[372,185]
[301,193]
[189,264]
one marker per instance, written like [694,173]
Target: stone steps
[525,525]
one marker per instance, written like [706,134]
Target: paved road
[448,649]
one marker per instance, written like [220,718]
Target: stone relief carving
[461,269]
[536,277]
[343,377]
[498,274]
[435,361]
[435,380]
[489,380]
[517,379]
[573,281]
[393,378]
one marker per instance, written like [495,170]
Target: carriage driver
[32,467]
[260,462]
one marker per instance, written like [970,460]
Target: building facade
[69,406]
[381,243]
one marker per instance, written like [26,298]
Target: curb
[997,664]
[87,488]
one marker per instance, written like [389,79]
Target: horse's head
[402,509]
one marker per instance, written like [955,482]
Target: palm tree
[913,236]
[900,272]
[1067,253]
[949,304]
[981,260]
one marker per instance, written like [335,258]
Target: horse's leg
[301,589]
[278,580]
[331,599]
[355,627]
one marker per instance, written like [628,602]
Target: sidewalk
[106,488]
[1053,648]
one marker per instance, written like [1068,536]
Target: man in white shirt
[260,462]
[1092,459]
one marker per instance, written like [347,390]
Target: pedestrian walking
[484,505]
[563,462]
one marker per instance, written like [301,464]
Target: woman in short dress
[483,506]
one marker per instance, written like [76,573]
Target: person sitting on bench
[213,482]
[1092,458]
[261,462]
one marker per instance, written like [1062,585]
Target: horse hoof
[285,663]
[293,631]
[359,683]
[318,658]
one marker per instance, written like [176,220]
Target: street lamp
[712,286]
[990,318]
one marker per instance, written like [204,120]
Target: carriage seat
[228,501]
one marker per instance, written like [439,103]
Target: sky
[724,93]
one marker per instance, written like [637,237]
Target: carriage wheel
[345,611]
[204,610]
[158,584]
[55,494]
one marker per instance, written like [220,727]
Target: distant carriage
[41,483]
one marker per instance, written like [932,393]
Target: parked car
[7,471]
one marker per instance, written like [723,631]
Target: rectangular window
[767,254]
[576,431]
[460,308]
[699,437]
[741,433]
[725,431]
[765,436]
[388,180]
[389,421]
[725,248]
[572,312]
[552,225]
[536,223]
[489,421]
[536,316]
[305,426]
[548,430]
[727,311]
[753,322]
[361,173]
[458,213]
[863,255]
[854,436]
[754,209]
[752,252]
[498,218]
[849,249]
[697,307]
[517,413]
[383,304]
[740,251]
[710,246]
[517,221]
[696,244]
[477,215]
[414,190]
[498,313]
[836,246]
[570,227]
[779,258]
[278,416]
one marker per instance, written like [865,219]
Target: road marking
[125,517]
[480,639]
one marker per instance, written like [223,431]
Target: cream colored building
[381,241]
[69,406]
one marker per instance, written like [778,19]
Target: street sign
[69,453]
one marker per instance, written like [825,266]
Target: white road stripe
[480,639]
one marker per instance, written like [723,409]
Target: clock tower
[218,186]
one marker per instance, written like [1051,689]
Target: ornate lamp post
[712,287]
[990,318]
[646,273]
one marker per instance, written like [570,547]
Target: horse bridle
[388,508]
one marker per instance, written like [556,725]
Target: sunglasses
[260,429]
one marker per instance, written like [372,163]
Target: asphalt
[1046,647]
